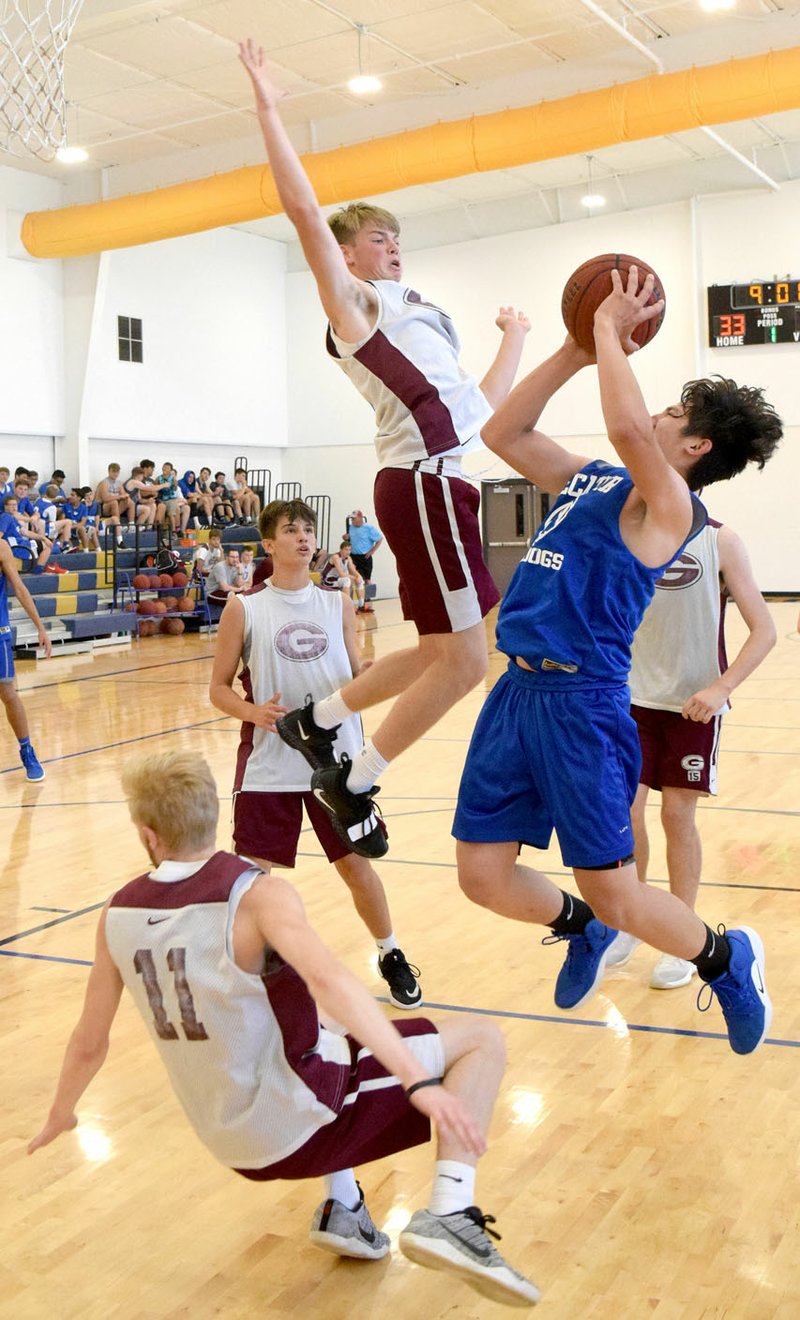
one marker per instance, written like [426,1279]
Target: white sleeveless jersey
[253,1069]
[407,369]
[679,648]
[293,644]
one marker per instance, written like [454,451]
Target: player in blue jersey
[15,711]
[555,746]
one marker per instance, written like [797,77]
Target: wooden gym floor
[637,1167]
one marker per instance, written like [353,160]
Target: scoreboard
[762,312]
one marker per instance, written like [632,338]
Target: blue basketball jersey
[578,596]
[3,601]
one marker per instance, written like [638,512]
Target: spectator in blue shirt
[364,541]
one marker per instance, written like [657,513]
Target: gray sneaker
[347,1232]
[459,1244]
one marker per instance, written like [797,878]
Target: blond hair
[174,795]
[350,220]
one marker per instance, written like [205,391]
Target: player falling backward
[555,746]
[227,974]
[402,355]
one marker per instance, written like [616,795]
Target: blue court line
[45,925]
[124,742]
[563,1020]
[43,957]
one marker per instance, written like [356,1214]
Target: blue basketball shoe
[742,992]
[584,964]
[34,771]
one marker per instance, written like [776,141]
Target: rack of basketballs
[163,601]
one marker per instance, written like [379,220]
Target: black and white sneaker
[401,978]
[298,730]
[459,1244]
[348,1232]
[353,815]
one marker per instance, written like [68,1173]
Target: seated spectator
[247,567]
[264,569]
[341,574]
[172,507]
[225,579]
[6,484]
[77,512]
[225,507]
[30,546]
[55,480]
[248,501]
[21,495]
[52,522]
[115,502]
[207,554]
[201,505]
[92,508]
[143,494]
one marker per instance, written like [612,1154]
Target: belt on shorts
[547,666]
[438,467]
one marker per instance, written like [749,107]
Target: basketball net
[33,38]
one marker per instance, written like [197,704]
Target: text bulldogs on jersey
[545,558]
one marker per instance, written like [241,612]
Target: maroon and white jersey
[679,648]
[407,369]
[293,644]
[255,1072]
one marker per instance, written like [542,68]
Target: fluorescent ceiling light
[593,199]
[363,83]
[71,155]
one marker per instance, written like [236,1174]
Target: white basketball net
[33,38]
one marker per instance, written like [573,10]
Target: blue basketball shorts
[563,759]
[6,656]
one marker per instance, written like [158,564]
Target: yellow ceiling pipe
[649,107]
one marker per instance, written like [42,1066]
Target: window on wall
[129,338]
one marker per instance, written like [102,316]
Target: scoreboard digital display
[762,312]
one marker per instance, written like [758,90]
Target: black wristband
[417,1086]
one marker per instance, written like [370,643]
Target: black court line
[506,1014]
[36,908]
[124,742]
[57,921]
[98,678]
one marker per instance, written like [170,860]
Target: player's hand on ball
[626,306]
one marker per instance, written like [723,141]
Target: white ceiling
[157,96]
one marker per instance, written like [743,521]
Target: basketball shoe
[670,972]
[742,992]
[34,771]
[348,1232]
[401,978]
[353,815]
[584,964]
[298,730]
[622,950]
[459,1243]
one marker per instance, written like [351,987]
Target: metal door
[511,511]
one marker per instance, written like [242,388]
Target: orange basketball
[147,627]
[171,602]
[186,605]
[590,285]
[172,626]
[165,579]
[180,580]
[141,580]
[158,607]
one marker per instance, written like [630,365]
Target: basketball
[165,579]
[148,628]
[141,580]
[180,580]
[157,607]
[590,285]
[172,627]
[186,605]
[171,602]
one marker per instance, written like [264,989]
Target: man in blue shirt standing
[364,541]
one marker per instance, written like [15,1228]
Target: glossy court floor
[637,1167]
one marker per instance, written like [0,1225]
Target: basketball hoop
[33,38]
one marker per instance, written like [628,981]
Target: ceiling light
[593,199]
[712,5]
[363,83]
[71,155]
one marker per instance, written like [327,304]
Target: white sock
[453,1187]
[330,711]
[342,1186]
[386,946]
[368,767]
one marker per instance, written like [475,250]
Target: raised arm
[88,1044]
[273,909]
[349,303]
[738,577]
[511,431]
[498,380]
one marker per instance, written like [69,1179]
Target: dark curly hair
[742,427]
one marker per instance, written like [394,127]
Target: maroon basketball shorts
[268,826]
[677,753]
[430,522]
[375,1119]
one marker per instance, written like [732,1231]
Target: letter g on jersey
[301,640]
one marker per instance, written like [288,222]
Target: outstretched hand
[451,1118]
[267,91]
[508,319]
[625,307]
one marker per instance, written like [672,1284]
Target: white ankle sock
[330,711]
[342,1186]
[453,1187]
[386,946]
[367,767]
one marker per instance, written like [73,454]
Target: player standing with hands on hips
[401,353]
[555,746]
